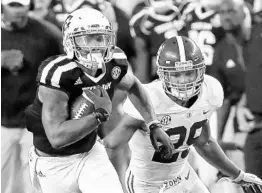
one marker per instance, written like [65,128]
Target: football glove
[249,182]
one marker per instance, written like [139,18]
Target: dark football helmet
[180,54]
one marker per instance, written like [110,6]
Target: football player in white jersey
[184,99]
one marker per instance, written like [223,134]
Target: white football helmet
[89,37]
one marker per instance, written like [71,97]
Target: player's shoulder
[56,69]
[155,92]
[213,90]
[119,57]
[154,86]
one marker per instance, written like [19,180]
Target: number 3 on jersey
[183,138]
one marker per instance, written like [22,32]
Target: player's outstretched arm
[60,131]
[209,149]
[141,100]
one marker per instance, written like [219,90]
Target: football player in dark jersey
[202,25]
[66,156]
[152,23]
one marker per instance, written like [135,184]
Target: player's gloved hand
[157,134]
[249,182]
[102,102]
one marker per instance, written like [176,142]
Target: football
[83,105]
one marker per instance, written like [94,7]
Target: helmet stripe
[181,49]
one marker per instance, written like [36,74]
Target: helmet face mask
[181,67]
[89,37]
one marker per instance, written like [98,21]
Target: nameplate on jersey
[173,182]
[106,86]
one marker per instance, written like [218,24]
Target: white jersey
[183,125]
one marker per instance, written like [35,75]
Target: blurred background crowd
[229,32]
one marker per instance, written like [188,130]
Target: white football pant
[185,182]
[90,172]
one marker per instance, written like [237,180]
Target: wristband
[239,177]
[153,125]
[101,115]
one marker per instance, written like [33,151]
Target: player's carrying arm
[139,97]
[59,129]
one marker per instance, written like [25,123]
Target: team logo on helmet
[115,72]
[188,115]
[165,120]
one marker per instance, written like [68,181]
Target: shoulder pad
[214,90]
[118,53]
[155,91]
[119,57]
[57,72]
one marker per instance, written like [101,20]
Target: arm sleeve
[120,59]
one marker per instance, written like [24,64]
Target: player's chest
[182,124]
[107,81]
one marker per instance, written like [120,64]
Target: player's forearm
[125,128]
[71,131]
[142,102]
[213,154]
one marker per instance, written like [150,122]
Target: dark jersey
[203,27]
[63,74]
[154,28]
